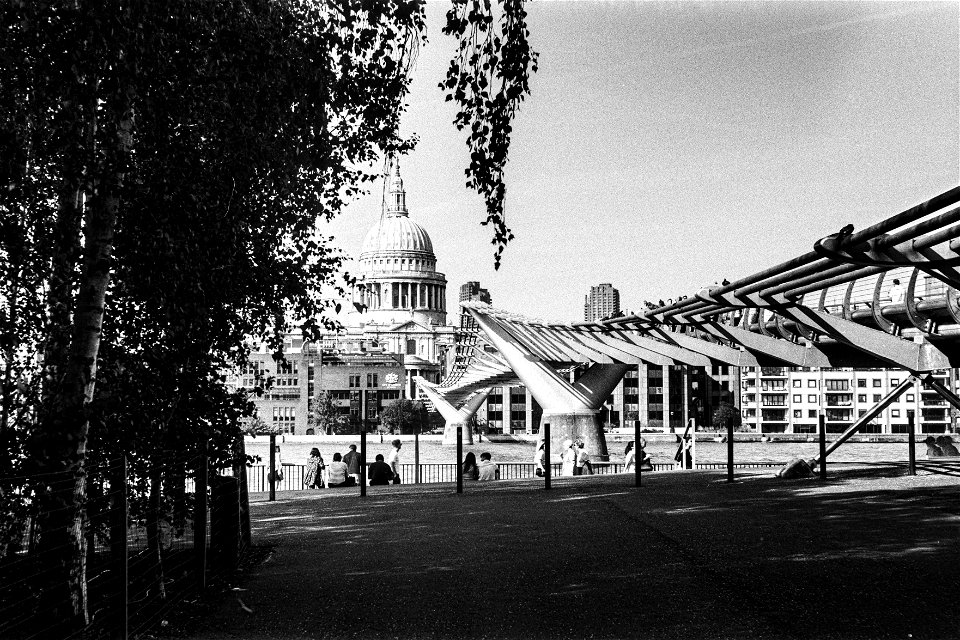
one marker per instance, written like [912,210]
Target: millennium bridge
[885,296]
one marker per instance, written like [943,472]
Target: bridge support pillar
[571,409]
[453,416]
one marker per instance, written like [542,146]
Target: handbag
[396,479]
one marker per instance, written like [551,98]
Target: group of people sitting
[344,471]
[482,472]
[940,446]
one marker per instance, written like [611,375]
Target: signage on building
[392,379]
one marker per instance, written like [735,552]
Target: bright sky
[666,146]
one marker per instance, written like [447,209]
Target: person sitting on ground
[629,458]
[488,468]
[380,472]
[313,478]
[352,460]
[584,467]
[933,451]
[337,474]
[470,469]
[946,446]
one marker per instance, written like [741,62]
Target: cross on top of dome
[396,196]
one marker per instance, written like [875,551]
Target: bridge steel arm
[876,410]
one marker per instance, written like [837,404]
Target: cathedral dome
[396,236]
[393,234]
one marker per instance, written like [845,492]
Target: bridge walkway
[868,554]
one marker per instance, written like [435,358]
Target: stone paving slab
[867,554]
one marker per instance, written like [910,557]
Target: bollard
[200,517]
[822,428]
[363,461]
[459,459]
[912,451]
[416,457]
[729,450]
[119,544]
[272,475]
[546,456]
[637,461]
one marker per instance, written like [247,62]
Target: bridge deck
[868,554]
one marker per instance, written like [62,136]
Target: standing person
[583,460]
[629,458]
[313,478]
[539,459]
[352,460]
[488,469]
[337,474]
[643,458]
[394,460]
[470,470]
[568,458]
[380,472]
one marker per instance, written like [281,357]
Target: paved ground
[868,554]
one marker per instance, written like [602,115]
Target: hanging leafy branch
[488,78]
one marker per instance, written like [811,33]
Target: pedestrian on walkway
[394,460]
[470,470]
[380,472]
[933,451]
[584,467]
[488,469]
[629,458]
[313,478]
[568,458]
[352,460]
[539,459]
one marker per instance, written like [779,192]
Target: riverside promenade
[870,553]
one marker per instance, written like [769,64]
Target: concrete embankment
[870,553]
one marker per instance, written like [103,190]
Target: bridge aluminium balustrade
[885,296]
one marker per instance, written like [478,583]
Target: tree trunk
[64,424]
[154,541]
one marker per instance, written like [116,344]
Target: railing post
[546,456]
[416,457]
[363,460]
[200,517]
[729,450]
[459,469]
[637,460]
[911,445]
[118,540]
[272,475]
[822,430]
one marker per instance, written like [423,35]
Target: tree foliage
[488,79]
[725,415]
[163,168]
[326,414]
[403,416]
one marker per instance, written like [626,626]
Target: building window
[411,347]
[876,397]
[797,398]
[355,380]
[861,397]
[371,380]
[877,382]
[797,413]
[797,383]
[910,397]
[894,413]
[812,384]
[862,382]
[894,382]
[812,413]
